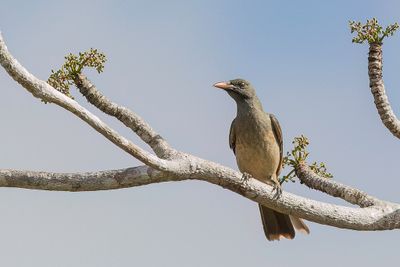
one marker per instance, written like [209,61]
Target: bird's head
[238,89]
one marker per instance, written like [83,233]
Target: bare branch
[377,217]
[88,181]
[380,216]
[335,189]
[382,104]
[44,91]
[125,115]
[383,217]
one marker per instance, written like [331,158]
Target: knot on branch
[297,156]
[63,78]
[371,31]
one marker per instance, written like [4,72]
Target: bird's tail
[277,225]
[299,225]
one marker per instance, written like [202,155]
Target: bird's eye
[241,84]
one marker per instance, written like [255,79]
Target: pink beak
[223,85]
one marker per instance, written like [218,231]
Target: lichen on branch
[298,155]
[63,78]
[371,31]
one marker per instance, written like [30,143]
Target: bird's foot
[246,177]
[278,190]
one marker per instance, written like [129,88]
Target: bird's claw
[246,177]
[278,191]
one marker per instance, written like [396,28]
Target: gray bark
[335,189]
[171,165]
[377,86]
[126,116]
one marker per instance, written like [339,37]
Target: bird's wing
[276,128]
[232,136]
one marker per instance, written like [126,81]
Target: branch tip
[63,78]
[298,155]
[371,31]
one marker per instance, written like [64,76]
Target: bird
[256,140]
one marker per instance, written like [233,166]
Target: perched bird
[256,140]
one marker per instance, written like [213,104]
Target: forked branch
[42,90]
[377,214]
[125,115]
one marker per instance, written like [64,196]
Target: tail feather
[277,225]
[299,225]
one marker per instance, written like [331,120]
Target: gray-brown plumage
[256,139]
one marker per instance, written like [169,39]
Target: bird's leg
[277,188]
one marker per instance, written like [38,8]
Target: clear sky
[163,57]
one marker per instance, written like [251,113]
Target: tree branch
[44,91]
[382,104]
[125,115]
[380,216]
[373,33]
[335,189]
[76,182]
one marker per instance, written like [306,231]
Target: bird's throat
[249,106]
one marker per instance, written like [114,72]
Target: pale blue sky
[163,57]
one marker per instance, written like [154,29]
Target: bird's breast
[257,152]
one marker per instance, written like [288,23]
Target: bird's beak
[224,85]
